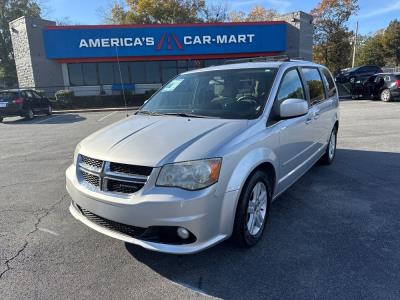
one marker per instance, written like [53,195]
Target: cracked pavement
[333,235]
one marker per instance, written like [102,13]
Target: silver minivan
[205,156]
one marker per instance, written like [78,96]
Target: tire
[386,96]
[29,115]
[330,151]
[248,229]
[1,119]
[352,80]
[49,111]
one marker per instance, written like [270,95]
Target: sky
[371,16]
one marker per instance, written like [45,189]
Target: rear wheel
[330,151]
[252,210]
[386,96]
[30,115]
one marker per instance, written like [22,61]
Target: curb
[68,111]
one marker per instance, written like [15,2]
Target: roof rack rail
[283,57]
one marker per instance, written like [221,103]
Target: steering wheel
[248,97]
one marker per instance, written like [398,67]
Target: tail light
[18,101]
[398,83]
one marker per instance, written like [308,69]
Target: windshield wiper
[146,112]
[186,115]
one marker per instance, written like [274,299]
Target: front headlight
[190,175]
[76,153]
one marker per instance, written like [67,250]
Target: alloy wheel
[332,145]
[257,208]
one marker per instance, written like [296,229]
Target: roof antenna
[122,84]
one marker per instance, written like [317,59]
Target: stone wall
[300,34]
[34,70]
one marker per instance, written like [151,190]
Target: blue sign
[79,42]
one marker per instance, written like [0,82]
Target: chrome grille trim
[109,181]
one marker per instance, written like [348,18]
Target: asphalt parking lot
[333,235]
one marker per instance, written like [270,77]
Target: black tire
[241,234]
[1,119]
[328,157]
[49,111]
[29,114]
[386,95]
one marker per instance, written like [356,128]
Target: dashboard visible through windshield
[229,94]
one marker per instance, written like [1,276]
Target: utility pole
[355,46]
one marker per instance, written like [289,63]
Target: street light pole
[355,46]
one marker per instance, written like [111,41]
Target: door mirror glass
[291,108]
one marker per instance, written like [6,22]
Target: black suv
[24,103]
[357,73]
[385,86]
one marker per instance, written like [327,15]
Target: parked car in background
[24,103]
[357,73]
[204,158]
[384,86]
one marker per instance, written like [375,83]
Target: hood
[156,140]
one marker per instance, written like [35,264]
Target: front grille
[128,230]
[91,179]
[122,186]
[111,177]
[130,169]
[91,162]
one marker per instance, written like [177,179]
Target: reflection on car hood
[157,140]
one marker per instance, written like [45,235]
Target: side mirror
[291,108]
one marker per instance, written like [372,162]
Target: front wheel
[330,151]
[252,210]
[386,96]
[49,110]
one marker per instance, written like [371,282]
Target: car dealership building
[99,59]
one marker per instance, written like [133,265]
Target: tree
[11,10]
[391,42]
[217,12]
[157,12]
[257,13]
[371,51]
[332,38]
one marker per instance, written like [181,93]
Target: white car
[204,158]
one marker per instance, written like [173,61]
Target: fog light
[183,233]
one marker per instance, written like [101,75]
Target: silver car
[203,159]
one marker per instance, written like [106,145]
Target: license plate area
[3,104]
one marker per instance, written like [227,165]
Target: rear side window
[7,95]
[314,83]
[291,87]
[330,84]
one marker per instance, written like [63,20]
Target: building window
[152,72]
[106,73]
[121,72]
[90,74]
[168,70]
[75,74]
[138,72]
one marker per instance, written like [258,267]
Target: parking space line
[48,231]
[105,117]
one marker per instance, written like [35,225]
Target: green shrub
[65,96]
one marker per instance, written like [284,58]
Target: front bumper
[203,213]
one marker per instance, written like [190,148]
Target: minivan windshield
[227,94]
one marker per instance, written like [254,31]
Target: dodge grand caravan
[204,157]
